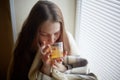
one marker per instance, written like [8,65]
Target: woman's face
[49,32]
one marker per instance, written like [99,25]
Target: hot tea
[57,50]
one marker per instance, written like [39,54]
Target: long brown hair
[26,44]
[41,12]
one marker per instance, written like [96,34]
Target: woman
[43,27]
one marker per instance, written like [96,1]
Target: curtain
[98,36]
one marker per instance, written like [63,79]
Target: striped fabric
[75,61]
[98,36]
[78,65]
[77,72]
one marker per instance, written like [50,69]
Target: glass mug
[57,50]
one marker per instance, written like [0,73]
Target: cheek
[41,39]
[58,36]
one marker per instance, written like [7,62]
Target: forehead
[50,27]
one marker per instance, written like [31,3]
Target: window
[98,36]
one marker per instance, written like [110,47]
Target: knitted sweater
[73,62]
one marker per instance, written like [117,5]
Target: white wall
[68,9]
[23,7]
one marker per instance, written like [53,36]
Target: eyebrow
[48,33]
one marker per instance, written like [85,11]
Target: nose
[52,39]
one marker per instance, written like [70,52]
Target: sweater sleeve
[34,72]
[75,64]
[40,76]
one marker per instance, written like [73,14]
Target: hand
[45,56]
[46,51]
[57,64]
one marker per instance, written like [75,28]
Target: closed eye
[57,33]
[44,34]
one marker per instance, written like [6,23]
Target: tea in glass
[57,50]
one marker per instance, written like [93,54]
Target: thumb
[65,53]
[41,46]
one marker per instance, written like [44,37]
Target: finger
[52,62]
[56,64]
[59,60]
[46,49]
[43,44]
[46,59]
[65,53]
[48,54]
[45,55]
[54,67]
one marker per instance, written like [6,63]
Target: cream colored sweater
[35,74]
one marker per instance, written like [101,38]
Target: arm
[36,71]
[75,64]
[74,60]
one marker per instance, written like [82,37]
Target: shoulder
[70,38]
[73,46]
[69,35]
